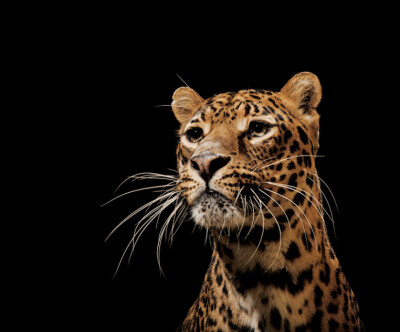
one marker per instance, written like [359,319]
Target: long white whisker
[291,157]
[319,209]
[280,236]
[163,229]
[159,198]
[329,189]
[284,212]
[262,232]
[327,202]
[301,219]
[311,201]
[148,218]
[136,190]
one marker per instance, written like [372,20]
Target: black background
[108,82]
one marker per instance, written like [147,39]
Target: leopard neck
[267,268]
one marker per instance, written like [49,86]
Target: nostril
[218,163]
[195,165]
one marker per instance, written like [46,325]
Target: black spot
[293,252]
[216,267]
[225,290]
[249,278]
[287,136]
[318,296]
[333,325]
[289,213]
[300,160]
[309,182]
[247,109]
[289,309]
[324,276]
[294,147]
[292,181]
[291,165]
[246,329]
[275,318]
[283,280]
[315,323]
[233,326]
[286,325]
[211,322]
[346,304]
[332,308]
[229,312]
[264,300]
[219,279]
[273,102]
[298,199]
[303,135]
[307,158]
[281,191]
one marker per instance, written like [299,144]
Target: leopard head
[245,156]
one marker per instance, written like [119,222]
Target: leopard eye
[194,135]
[258,129]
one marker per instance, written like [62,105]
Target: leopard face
[244,158]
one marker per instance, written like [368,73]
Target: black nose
[207,164]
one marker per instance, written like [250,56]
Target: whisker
[148,218]
[280,236]
[262,232]
[162,231]
[159,198]
[311,201]
[319,209]
[327,202]
[291,157]
[136,190]
[300,218]
[152,176]
[284,212]
[329,189]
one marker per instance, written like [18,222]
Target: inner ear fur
[185,103]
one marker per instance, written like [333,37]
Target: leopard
[246,164]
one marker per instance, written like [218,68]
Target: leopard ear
[185,103]
[304,90]
[303,93]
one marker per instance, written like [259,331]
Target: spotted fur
[272,267]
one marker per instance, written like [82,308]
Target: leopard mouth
[213,209]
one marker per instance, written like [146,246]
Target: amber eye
[258,129]
[194,135]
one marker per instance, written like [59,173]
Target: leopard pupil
[195,133]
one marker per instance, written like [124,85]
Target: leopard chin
[211,209]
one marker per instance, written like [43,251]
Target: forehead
[230,106]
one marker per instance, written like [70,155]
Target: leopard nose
[207,164]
